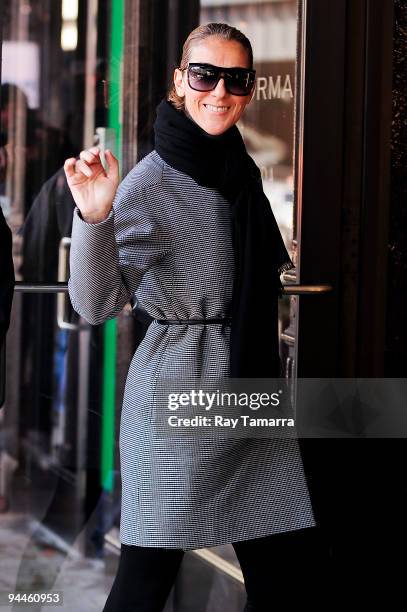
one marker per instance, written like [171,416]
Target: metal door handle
[305,289]
[40,287]
[298,289]
[63,253]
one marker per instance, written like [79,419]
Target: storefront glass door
[59,488]
[73,71]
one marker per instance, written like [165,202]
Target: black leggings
[285,568]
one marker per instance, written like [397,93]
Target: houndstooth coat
[168,241]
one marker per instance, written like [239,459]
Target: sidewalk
[35,559]
[83,581]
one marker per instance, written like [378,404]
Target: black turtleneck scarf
[221,162]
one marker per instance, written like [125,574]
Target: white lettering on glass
[271,87]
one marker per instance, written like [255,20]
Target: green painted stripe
[110,327]
[108,403]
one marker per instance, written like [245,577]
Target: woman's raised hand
[92,188]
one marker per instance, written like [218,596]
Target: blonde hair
[222,30]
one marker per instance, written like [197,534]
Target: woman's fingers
[73,166]
[112,165]
[82,166]
[90,155]
[69,167]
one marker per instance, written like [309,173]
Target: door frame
[344,186]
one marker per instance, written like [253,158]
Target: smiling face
[199,104]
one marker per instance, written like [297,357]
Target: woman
[177,233]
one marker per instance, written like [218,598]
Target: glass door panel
[54,510]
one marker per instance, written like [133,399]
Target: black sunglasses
[205,77]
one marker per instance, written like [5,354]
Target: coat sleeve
[109,259]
